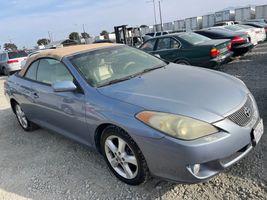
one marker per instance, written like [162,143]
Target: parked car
[145,116]
[251,33]
[257,25]
[155,34]
[240,43]
[190,49]
[259,32]
[257,20]
[11,61]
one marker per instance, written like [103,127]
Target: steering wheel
[128,65]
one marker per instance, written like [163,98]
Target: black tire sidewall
[30,125]
[142,169]
[182,62]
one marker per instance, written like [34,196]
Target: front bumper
[172,159]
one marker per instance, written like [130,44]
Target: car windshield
[110,65]
[233,28]
[17,54]
[194,38]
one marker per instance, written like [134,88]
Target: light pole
[161,24]
[154,6]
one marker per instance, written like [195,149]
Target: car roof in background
[220,31]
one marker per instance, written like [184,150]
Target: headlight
[180,127]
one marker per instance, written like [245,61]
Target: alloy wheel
[21,117]
[121,157]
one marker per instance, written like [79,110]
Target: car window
[167,43]
[50,71]
[3,57]
[158,34]
[31,72]
[233,28]
[104,66]
[194,38]
[17,54]
[149,45]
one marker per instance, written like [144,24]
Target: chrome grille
[245,114]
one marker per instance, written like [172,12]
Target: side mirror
[157,55]
[64,86]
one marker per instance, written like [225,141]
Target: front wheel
[182,62]
[123,156]
[22,119]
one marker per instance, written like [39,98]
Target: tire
[4,71]
[22,119]
[126,161]
[182,62]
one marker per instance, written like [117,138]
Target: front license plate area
[258,131]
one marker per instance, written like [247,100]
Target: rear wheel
[22,119]
[4,71]
[182,62]
[123,156]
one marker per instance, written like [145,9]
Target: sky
[23,22]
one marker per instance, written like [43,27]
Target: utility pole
[155,14]
[161,25]
[83,28]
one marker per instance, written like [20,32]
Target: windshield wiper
[131,76]
[117,80]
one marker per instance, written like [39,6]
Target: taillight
[229,46]
[214,52]
[265,28]
[238,40]
[12,61]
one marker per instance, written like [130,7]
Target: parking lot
[43,165]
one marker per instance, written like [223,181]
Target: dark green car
[189,48]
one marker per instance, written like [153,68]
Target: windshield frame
[71,57]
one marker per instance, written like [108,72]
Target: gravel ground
[42,165]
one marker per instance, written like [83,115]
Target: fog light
[195,168]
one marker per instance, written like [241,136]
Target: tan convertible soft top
[59,53]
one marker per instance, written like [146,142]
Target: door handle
[35,95]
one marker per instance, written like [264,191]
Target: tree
[85,35]
[75,36]
[10,47]
[43,41]
[105,34]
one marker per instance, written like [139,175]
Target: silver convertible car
[144,115]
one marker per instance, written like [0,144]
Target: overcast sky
[25,21]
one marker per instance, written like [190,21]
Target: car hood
[185,90]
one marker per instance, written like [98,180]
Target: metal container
[261,12]
[179,25]
[225,15]
[168,26]
[208,20]
[193,23]
[243,14]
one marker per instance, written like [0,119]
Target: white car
[11,61]
[260,32]
[236,28]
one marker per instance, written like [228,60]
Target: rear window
[194,38]
[233,28]
[17,54]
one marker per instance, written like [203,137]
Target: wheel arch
[13,102]
[98,133]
